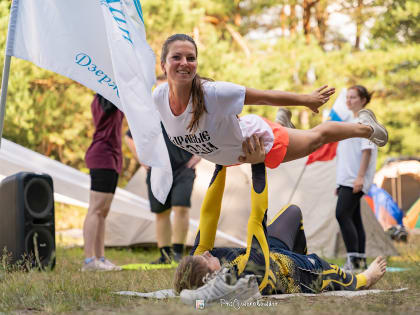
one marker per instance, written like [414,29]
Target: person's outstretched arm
[279,98]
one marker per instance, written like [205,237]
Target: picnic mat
[169,293]
[149,266]
[146,266]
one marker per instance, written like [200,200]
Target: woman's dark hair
[197,92]
[362,92]
[106,105]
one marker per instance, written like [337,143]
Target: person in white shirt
[201,116]
[356,164]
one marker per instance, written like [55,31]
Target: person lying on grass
[275,252]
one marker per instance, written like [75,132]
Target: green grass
[67,290]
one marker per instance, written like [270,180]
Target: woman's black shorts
[180,193]
[103,180]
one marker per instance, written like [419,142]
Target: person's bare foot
[375,271]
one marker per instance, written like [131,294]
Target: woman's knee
[342,215]
[317,139]
[181,211]
[164,215]
[296,211]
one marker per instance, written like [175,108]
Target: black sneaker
[177,257]
[162,261]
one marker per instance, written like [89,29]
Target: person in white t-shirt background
[356,164]
[201,116]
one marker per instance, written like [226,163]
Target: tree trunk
[359,23]
[293,23]
[321,14]
[283,21]
[239,39]
[307,7]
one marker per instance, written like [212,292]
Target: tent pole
[4,85]
[297,184]
[7,59]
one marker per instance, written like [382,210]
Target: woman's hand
[319,97]
[358,185]
[193,161]
[254,150]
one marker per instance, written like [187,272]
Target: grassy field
[67,290]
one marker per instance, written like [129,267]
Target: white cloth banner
[102,45]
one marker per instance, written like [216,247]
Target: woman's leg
[257,244]
[210,212]
[346,206]
[180,230]
[99,204]
[163,228]
[304,142]
[287,227]
[361,237]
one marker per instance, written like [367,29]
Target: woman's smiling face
[181,62]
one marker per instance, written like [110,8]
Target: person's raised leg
[210,212]
[304,142]
[257,244]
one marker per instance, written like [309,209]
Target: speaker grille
[38,197]
[39,243]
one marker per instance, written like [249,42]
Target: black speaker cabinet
[27,231]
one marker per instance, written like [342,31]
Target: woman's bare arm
[279,98]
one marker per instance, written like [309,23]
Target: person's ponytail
[198,106]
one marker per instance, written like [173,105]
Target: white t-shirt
[349,156]
[220,132]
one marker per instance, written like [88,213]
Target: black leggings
[287,226]
[350,220]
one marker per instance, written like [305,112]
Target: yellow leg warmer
[210,211]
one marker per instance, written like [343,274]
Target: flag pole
[4,85]
[297,184]
[7,60]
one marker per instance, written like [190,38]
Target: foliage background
[50,114]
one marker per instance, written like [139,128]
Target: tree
[398,22]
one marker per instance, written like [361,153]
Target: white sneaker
[96,265]
[110,264]
[284,117]
[379,135]
[223,285]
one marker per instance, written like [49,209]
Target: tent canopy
[131,222]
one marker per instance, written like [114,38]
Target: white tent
[131,222]
[72,187]
[315,195]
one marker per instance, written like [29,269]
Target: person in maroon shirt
[104,159]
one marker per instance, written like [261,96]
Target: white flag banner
[102,45]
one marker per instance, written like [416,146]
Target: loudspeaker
[27,230]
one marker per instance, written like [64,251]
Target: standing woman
[356,163]
[104,160]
